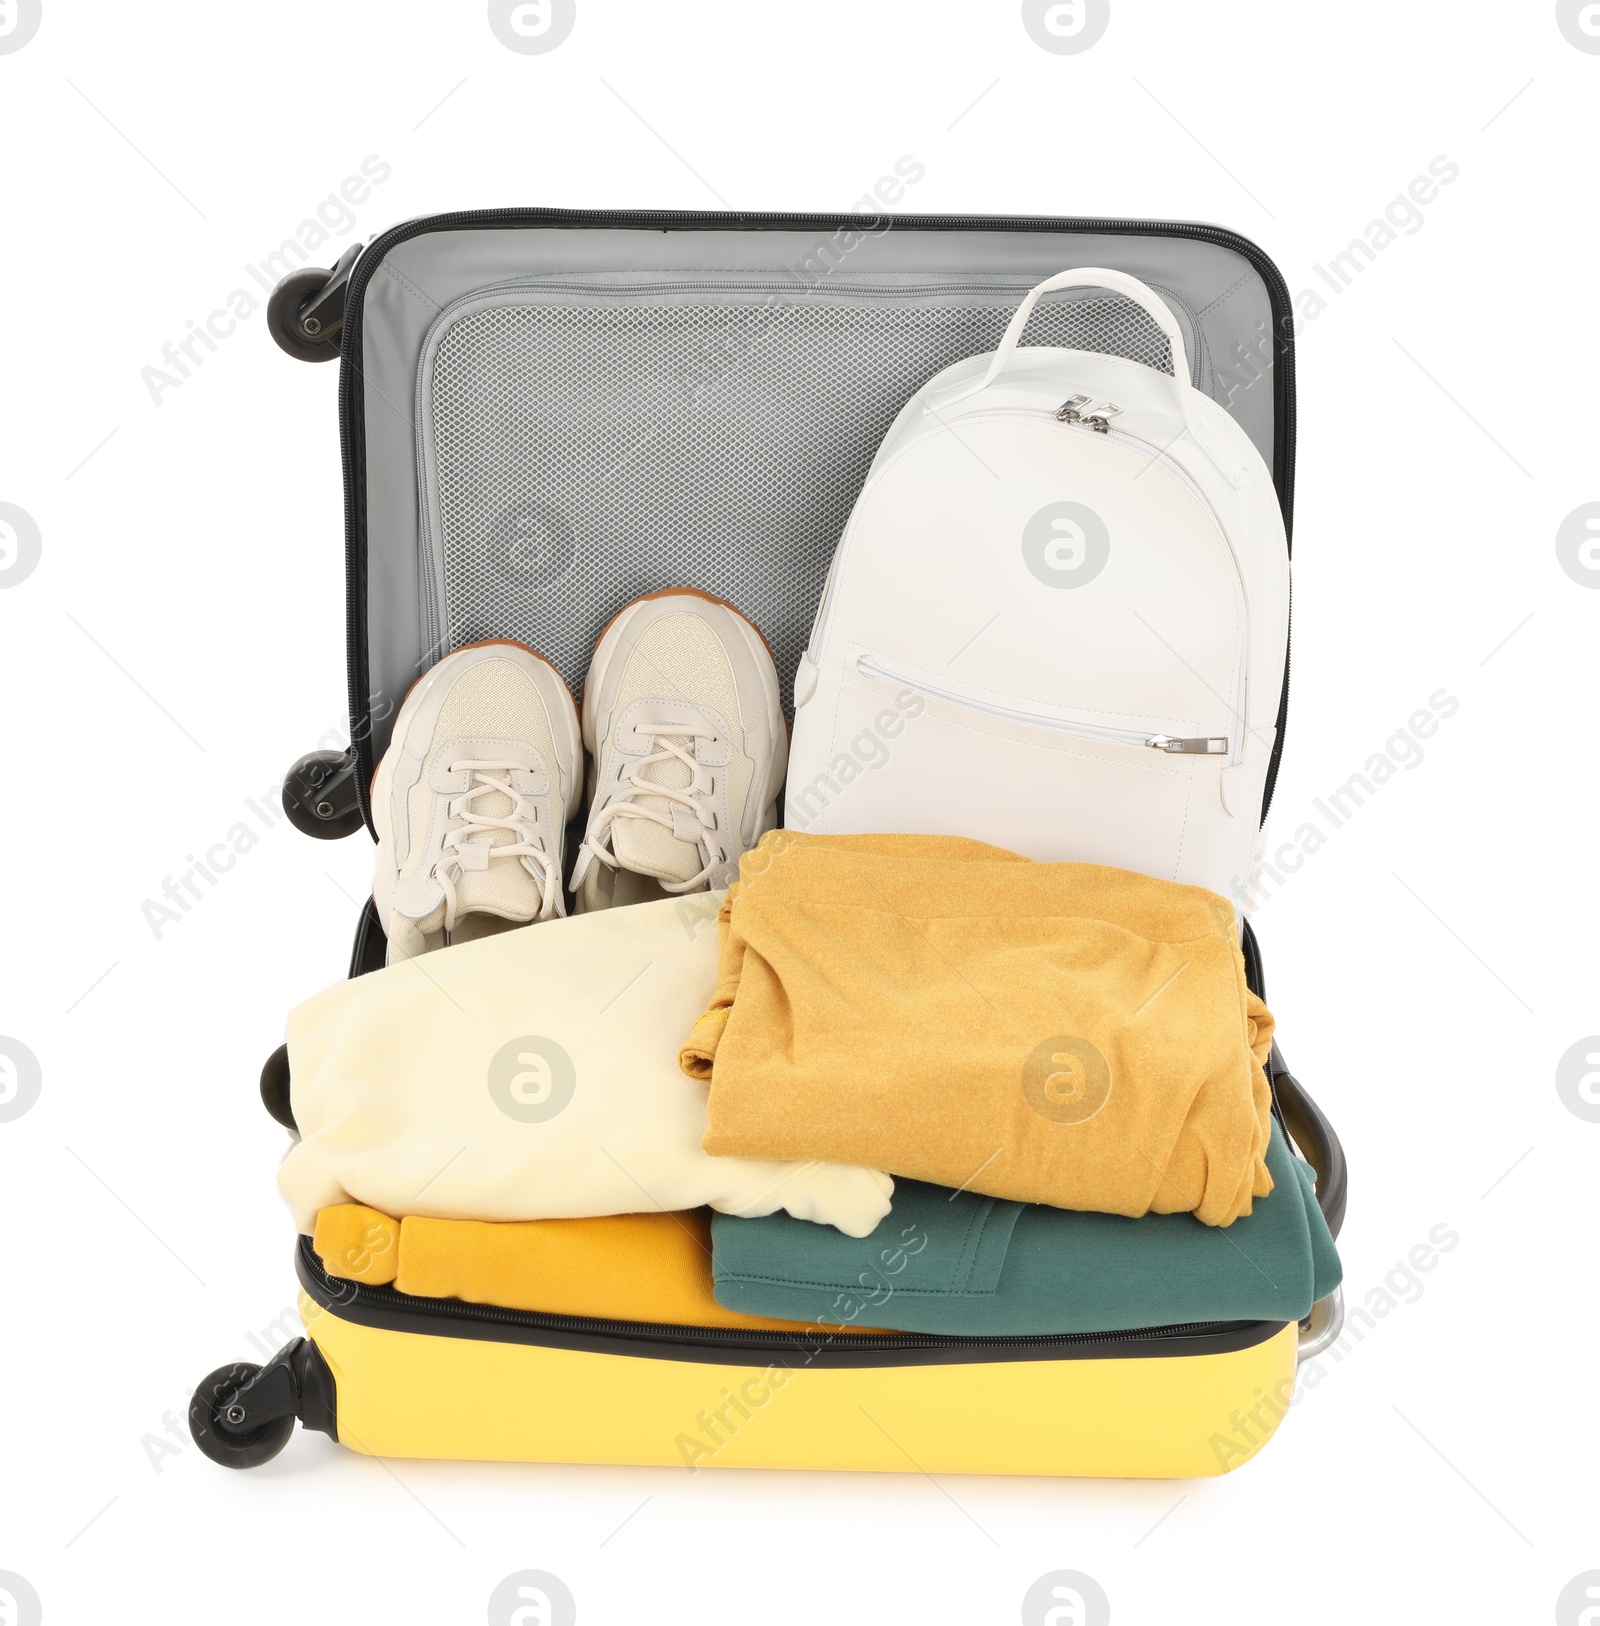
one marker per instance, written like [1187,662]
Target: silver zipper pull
[1100,419]
[1071,410]
[1212,747]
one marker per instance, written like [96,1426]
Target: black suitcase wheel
[319,795]
[209,1421]
[275,1087]
[293,329]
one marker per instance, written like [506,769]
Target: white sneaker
[682,718]
[470,801]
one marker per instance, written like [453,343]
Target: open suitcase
[544,414]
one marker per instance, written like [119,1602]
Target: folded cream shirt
[534,1075]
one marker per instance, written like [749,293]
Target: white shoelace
[462,853]
[666,737]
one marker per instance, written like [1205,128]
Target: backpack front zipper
[990,705]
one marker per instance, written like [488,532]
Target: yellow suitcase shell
[409,1394]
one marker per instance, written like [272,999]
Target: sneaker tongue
[648,848]
[499,886]
[505,888]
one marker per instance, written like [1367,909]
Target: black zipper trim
[384,1308]
[352,441]
[1283,712]
[370,949]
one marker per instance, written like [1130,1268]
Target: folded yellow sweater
[946,1011]
[624,1267]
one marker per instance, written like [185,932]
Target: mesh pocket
[587,453]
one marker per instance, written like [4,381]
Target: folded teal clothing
[964,1264]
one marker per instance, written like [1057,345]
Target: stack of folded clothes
[926,1086]
[1062,1065]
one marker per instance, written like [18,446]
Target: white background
[182,641]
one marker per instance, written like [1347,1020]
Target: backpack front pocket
[1037,779]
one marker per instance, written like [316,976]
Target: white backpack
[1057,620]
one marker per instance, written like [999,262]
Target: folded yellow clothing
[947,1011]
[624,1267]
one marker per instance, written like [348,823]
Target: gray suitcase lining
[581,448]
[559,421]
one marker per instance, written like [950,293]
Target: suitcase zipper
[339,1296]
[871,665]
